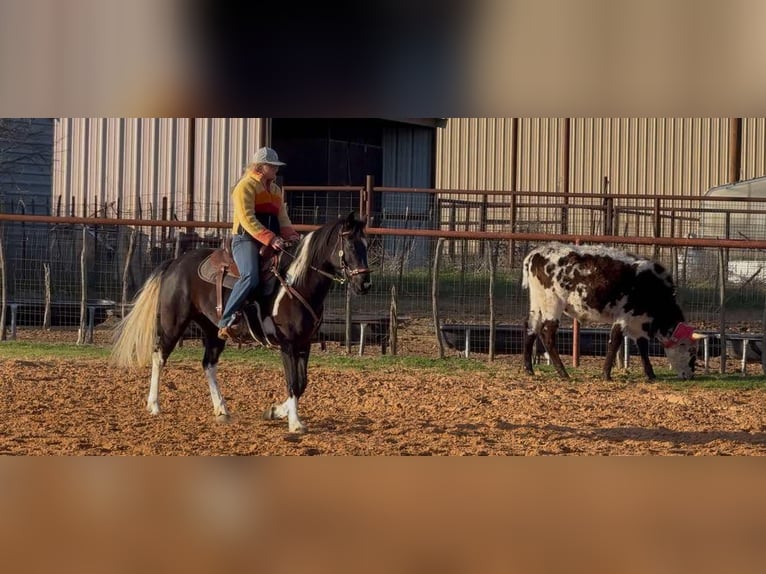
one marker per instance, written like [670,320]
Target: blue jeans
[245,251]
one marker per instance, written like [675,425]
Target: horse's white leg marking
[294,424]
[152,402]
[219,404]
[288,409]
[279,411]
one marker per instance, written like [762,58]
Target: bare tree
[17,139]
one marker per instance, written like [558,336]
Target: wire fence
[714,249]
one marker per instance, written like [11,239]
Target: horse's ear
[352,222]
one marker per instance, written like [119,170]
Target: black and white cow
[596,284]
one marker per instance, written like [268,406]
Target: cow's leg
[529,345]
[615,338]
[643,350]
[548,335]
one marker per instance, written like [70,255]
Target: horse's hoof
[298,429]
[153,410]
[270,413]
[223,418]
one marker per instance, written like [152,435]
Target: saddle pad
[208,272]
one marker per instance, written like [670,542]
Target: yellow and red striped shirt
[249,197]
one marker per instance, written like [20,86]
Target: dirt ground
[85,407]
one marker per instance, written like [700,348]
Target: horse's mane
[313,249]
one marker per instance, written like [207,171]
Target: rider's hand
[293,239]
[278,243]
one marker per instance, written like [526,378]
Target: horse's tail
[135,334]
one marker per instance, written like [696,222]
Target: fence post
[609,217]
[435,296]
[657,225]
[576,337]
[369,189]
[126,269]
[393,325]
[492,253]
[512,222]
[47,311]
[3,286]
[722,297]
[348,319]
[83,288]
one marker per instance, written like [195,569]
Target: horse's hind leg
[153,400]
[213,349]
[168,337]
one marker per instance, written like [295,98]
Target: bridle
[347,273]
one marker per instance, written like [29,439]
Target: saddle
[220,269]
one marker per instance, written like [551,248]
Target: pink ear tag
[682,331]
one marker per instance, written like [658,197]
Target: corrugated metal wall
[131,164]
[25,165]
[127,163]
[671,156]
[408,162]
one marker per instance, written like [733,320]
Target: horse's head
[352,255]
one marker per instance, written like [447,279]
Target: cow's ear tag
[682,331]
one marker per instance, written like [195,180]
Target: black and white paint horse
[596,284]
[175,294]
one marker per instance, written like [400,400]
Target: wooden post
[369,189]
[451,227]
[348,319]
[47,312]
[83,288]
[673,249]
[727,233]
[657,225]
[512,223]
[403,248]
[435,296]
[126,268]
[722,298]
[3,287]
[393,325]
[482,222]
[763,340]
[492,253]
[576,338]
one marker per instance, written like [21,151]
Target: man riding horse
[260,219]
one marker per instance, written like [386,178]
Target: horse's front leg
[295,360]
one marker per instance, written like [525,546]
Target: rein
[347,274]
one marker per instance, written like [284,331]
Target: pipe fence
[714,247]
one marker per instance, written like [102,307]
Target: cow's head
[681,349]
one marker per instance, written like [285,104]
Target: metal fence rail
[715,255]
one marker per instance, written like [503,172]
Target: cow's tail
[135,334]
